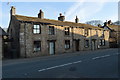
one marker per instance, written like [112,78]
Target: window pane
[37,26]
[34,26]
[37,31]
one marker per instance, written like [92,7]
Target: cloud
[84,10]
[112,17]
[74,7]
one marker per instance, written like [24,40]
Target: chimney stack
[99,25]
[106,23]
[41,14]
[76,20]
[61,18]
[109,22]
[13,10]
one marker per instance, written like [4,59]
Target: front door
[93,44]
[77,45]
[51,47]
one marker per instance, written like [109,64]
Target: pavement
[84,64]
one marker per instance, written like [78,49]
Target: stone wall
[0,47]
[27,38]
[13,32]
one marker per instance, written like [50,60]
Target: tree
[95,22]
[117,23]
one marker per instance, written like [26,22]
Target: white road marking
[76,62]
[105,56]
[41,70]
[100,57]
[95,58]
[71,63]
[59,66]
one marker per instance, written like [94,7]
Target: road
[83,64]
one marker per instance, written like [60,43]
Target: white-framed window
[36,29]
[51,30]
[37,46]
[67,44]
[102,42]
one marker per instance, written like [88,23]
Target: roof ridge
[52,21]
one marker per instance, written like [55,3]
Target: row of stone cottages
[38,36]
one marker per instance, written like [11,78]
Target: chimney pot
[61,18]
[76,20]
[109,22]
[13,10]
[60,14]
[41,14]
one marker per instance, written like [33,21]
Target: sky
[86,11]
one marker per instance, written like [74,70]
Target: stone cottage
[114,35]
[38,36]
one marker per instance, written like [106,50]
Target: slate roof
[55,22]
[115,27]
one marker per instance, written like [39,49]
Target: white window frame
[36,29]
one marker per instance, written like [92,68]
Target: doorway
[51,47]
[93,45]
[77,45]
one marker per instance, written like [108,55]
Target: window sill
[102,45]
[67,49]
[86,46]
[67,35]
[36,33]
[36,51]
[52,34]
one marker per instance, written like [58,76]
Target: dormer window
[36,29]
